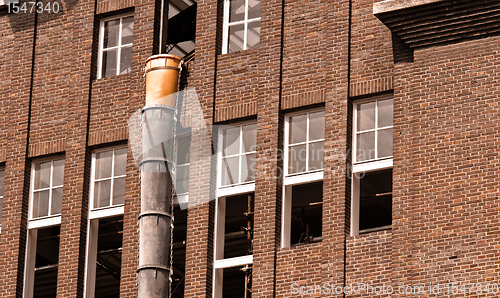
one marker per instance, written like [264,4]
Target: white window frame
[183,198]
[50,220]
[291,180]
[93,223]
[111,210]
[30,257]
[297,178]
[119,46]
[220,213]
[240,187]
[372,165]
[226,25]
[219,262]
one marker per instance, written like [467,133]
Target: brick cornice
[370,87]
[104,6]
[108,136]
[235,111]
[48,147]
[303,99]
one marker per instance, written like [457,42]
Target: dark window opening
[109,257]
[46,263]
[375,200]
[181,32]
[237,282]
[307,210]
[238,236]
[179,252]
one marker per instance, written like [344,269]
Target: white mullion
[365,131]
[240,155]
[225,31]
[101,51]
[110,48]
[112,175]
[355,132]
[376,129]
[219,156]
[103,179]
[50,187]
[92,179]
[119,52]
[235,23]
[285,161]
[307,142]
[245,27]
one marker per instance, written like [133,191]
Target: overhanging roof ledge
[395,5]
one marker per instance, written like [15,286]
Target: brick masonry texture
[318,53]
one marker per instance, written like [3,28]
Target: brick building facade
[394,105]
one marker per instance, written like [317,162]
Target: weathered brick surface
[17,34]
[446,127]
[371,51]
[446,165]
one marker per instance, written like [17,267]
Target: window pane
[384,141]
[2,180]
[298,126]
[236,10]
[297,159]
[120,162]
[111,33]
[183,149]
[230,170]
[365,146]
[128,28]
[315,156]
[366,116]
[103,164]
[119,191]
[236,38]
[126,60]
[249,137]
[248,167]
[58,173]
[230,141]
[109,63]
[385,113]
[253,9]
[42,175]
[182,184]
[316,126]
[57,195]
[253,35]
[375,199]
[102,193]
[41,203]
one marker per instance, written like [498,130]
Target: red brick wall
[371,51]
[446,165]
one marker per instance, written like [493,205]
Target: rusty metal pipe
[158,133]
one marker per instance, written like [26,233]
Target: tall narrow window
[104,240]
[233,251]
[42,262]
[183,159]
[303,185]
[372,165]
[2,180]
[237,155]
[109,177]
[42,245]
[115,45]
[241,25]
[47,188]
